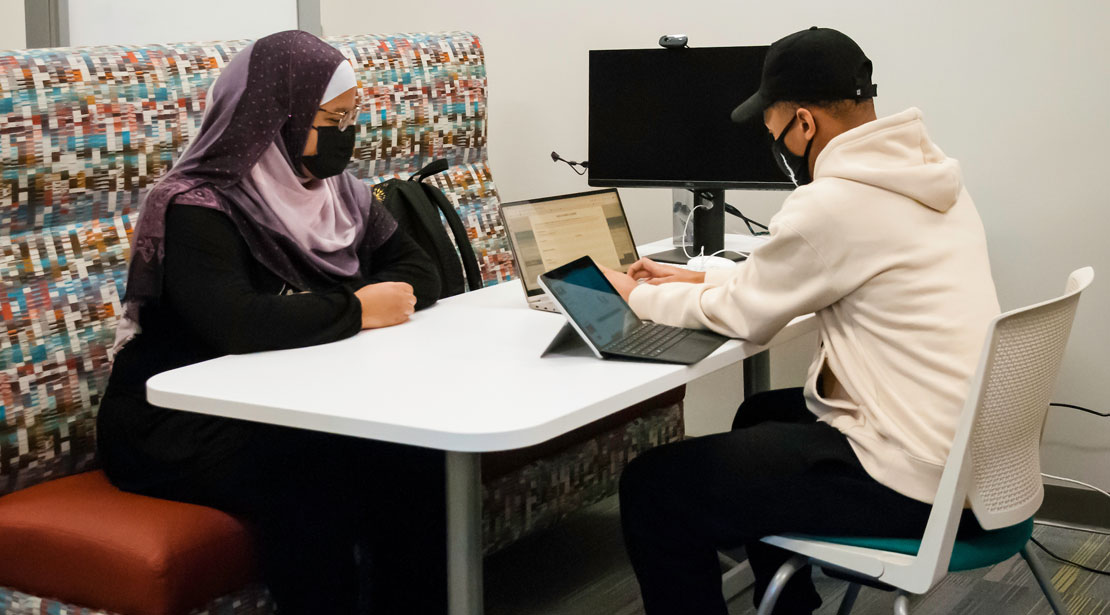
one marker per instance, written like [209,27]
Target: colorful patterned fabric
[60,300]
[253,600]
[544,492]
[424,98]
[84,132]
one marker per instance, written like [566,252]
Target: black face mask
[333,151]
[792,165]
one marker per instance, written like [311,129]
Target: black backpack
[417,208]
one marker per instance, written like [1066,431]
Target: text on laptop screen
[593,304]
[548,233]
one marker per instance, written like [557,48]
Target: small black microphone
[575,166]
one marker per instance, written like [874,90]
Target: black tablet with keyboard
[608,325]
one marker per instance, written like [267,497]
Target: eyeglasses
[348,119]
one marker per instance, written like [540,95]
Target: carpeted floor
[580,568]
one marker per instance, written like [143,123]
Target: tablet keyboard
[650,340]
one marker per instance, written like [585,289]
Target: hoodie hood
[894,153]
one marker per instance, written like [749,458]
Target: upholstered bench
[80,539]
[84,133]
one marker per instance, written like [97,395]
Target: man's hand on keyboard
[657,273]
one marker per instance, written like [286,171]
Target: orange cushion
[80,540]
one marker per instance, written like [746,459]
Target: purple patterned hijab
[266,97]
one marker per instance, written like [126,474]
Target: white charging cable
[1068,526]
[1077,482]
[686,228]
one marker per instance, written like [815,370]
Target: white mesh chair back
[1018,376]
[994,462]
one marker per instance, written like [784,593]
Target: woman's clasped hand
[386,303]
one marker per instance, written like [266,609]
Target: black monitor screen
[660,117]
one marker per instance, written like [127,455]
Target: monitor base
[678,257]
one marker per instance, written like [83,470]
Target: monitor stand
[709,230]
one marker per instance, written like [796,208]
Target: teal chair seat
[986,549]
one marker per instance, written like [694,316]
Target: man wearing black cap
[825,70]
[882,242]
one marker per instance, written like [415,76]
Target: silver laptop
[550,232]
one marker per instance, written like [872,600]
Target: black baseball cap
[818,64]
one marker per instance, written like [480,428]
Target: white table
[482,346]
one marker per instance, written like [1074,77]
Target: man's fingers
[641,268]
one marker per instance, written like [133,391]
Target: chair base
[1044,581]
[849,599]
[778,583]
[902,604]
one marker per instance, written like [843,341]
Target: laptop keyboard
[650,340]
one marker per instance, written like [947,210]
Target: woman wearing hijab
[258,240]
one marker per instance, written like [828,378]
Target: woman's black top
[217,300]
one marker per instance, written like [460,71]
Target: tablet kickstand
[567,342]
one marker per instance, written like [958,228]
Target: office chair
[994,465]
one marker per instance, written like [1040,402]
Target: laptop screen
[591,302]
[546,233]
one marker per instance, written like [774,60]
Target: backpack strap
[438,165]
[425,223]
[462,238]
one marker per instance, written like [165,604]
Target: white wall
[1015,90]
[13,29]
[111,22]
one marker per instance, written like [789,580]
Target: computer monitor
[661,118]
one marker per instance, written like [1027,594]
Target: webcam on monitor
[672,41]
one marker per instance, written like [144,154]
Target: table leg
[757,373]
[757,378]
[464,533]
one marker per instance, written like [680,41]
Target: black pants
[344,525]
[777,471]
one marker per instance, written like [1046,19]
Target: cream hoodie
[886,246]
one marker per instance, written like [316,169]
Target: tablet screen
[591,301]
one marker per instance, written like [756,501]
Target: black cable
[747,221]
[578,167]
[736,212]
[1068,561]
[1037,542]
[1082,409]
